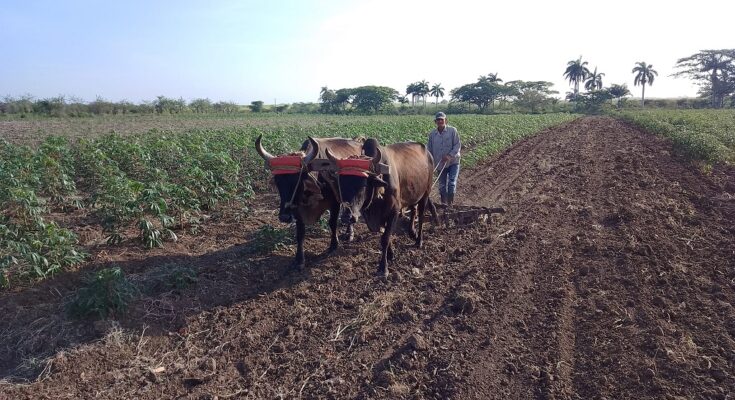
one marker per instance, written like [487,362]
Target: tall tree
[594,81]
[413,90]
[437,91]
[481,93]
[371,99]
[576,72]
[714,71]
[531,96]
[327,99]
[644,75]
[423,90]
[490,78]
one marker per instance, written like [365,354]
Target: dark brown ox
[395,177]
[306,194]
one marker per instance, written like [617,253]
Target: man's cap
[440,115]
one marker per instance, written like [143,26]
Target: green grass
[707,135]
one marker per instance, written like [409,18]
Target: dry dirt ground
[611,275]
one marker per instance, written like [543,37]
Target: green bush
[106,292]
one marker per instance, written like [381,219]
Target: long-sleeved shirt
[446,142]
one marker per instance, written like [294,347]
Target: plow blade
[458,215]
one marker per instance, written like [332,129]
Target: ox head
[290,175]
[359,180]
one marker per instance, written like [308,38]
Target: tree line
[712,70]
[60,106]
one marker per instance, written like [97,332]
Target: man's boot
[450,199]
[444,199]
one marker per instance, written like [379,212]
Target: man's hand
[446,158]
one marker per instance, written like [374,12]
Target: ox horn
[378,156]
[259,147]
[313,153]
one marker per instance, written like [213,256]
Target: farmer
[444,146]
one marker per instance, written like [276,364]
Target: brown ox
[306,194]
[378,187]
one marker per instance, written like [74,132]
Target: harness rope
[289,169]
[296,188]
[444,165]
[339,186]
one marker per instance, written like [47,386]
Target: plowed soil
[611,275]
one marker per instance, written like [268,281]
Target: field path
[611,275]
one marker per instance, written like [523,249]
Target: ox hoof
[347,237]
[298,266]
[382,271]
[419,244]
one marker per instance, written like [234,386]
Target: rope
[296,188]
[444,165]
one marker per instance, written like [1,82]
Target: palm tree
[423,90]
[437,91]
[412,90]
[576,72]
[488,79]
[644,75]
[594,81]
[493,78]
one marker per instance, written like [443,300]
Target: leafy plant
[106,292]
[707,135]
[171,277]
[267,238]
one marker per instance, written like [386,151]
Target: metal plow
[459,215]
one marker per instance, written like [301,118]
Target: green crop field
[160,180]
[707,135]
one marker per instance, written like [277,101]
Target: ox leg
[349,234]
[333,227]
[412,224]
[299,261]
[385,244]
[421,211]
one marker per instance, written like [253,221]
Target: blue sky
[287,50]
